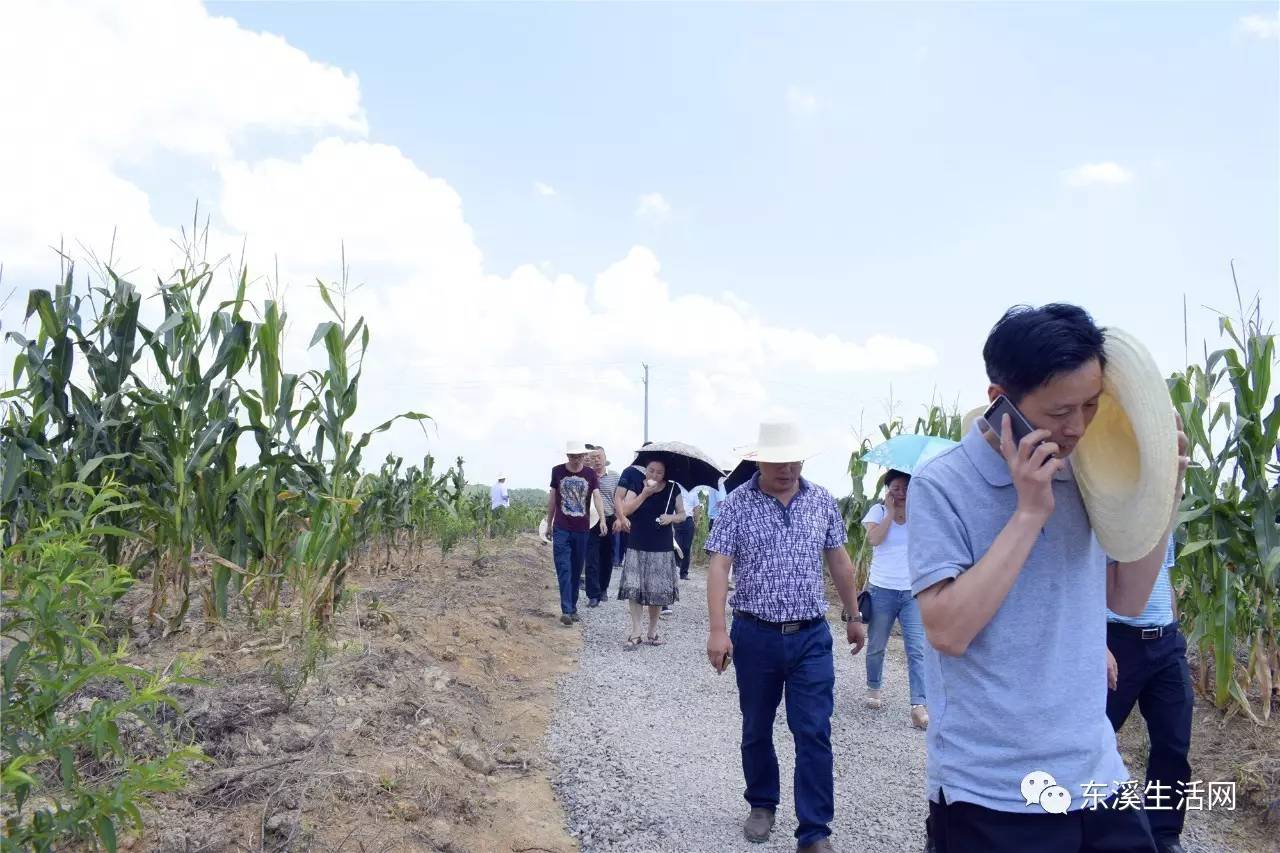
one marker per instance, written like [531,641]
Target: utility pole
[646,402]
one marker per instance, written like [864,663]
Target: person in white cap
[775,533]
[499,500]
[574,489]
[1008,562]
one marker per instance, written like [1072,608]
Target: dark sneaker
[758,826]
[822,845]
[684,577]
[566,619]
[574,616]
[1174,846]
[594,602]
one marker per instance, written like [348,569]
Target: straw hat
[574,448]
[778,442]
[971,416]
[1127,462]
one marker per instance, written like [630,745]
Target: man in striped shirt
[1147,665]
[600,545]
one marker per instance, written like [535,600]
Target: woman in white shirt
[891,597]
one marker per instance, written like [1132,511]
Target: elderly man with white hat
[1055,506]
[776,532]
[575,489]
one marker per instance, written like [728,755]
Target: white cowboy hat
[1127,462]
[542,531]
[575,448]
[778,442]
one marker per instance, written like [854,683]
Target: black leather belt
[780,627]
[1144,633]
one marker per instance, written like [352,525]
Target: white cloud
[544,189]
[1261,26]
[1088,174]
[803,102]
[499,358]
[653,207]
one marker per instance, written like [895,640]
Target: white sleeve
[874,515]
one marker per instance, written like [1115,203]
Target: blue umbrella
[907,452]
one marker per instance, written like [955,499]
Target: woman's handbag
[675,544]
[864,605]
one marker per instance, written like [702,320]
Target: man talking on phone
[776,532]
[1012,584]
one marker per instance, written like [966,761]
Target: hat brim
[1126,464]
[970,417]
[776,455]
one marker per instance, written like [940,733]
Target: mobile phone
[994,416]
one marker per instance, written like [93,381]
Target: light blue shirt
[1159,610]
[714,498]
[1027,695]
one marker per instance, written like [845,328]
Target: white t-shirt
[889,559]
[499,496]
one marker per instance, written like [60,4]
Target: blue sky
[849,170]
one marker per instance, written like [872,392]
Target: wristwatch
[846,617]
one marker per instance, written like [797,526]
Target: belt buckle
[1152,633]
[790,627]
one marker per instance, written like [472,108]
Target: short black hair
[1030,346]
[894,474]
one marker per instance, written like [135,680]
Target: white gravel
[645,745]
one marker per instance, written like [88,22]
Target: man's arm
[955,610]
[718,645]
[1129,584]
[841,569]
[551,509]
[599,502]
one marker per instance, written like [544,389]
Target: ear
[994,391]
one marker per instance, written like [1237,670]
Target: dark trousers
[569,550]
[599,561]
[1154,674]
[684,538]
[769,664]
[965,827]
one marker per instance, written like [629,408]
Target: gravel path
[646,747]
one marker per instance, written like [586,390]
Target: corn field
[1228,566]
[183,454]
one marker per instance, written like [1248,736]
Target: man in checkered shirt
[776,532]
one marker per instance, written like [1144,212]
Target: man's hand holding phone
[1032,463]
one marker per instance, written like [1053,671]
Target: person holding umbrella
[649,570]
[891,599]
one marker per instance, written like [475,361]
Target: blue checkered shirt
[777,551]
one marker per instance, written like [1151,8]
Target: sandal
[655,640]
[632,643]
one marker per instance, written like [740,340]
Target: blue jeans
[768,663]
[569,550]
[886,606]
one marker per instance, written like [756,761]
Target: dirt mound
[421,729]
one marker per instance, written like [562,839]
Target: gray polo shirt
[1029,694]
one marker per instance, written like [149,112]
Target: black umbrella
[741,474]
[686,464]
